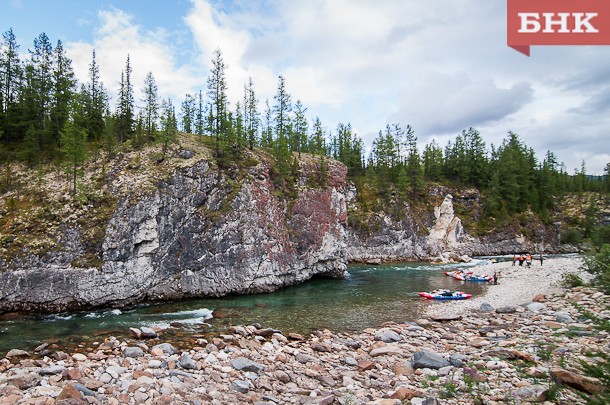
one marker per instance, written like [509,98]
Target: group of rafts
[461,275]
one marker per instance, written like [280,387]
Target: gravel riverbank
[507,353]
[516,284]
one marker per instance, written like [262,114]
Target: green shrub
[571,280]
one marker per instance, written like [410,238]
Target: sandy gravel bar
[516,284]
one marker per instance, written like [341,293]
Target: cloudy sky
[439,65]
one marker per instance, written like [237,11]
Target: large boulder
[432,360]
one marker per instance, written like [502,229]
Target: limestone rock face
[437,235]
[199,234]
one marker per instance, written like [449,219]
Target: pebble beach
[516,284]
[519,343]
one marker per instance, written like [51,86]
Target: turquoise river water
[366,297]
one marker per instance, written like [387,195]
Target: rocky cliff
[195,233]
[185,228]
[437,233]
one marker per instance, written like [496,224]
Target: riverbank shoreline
[516,284]
[527,354]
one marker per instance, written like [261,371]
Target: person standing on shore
[496,277]
[514,259]
[541,259]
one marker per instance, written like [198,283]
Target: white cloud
[440,66]
[116,37]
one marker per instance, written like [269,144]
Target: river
[366,297]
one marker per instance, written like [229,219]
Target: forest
[48,117]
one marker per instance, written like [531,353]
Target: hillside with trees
[51,122]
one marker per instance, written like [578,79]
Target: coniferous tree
[281,111]
[300,127]
[64,83]
[267,135]
[125,106]
[413,164]
[169,125]
[97,102]
[217,93]
[433,162]
[41,85]
[74,148]
[200,114]
[251,115]
[150,110]
[11,77]
[475,164]
[188,114]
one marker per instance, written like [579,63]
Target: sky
[441,66]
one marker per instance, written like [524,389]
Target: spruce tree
[217,93]
[125,106]
[150,109]
[97,102]
[64,83]
[74,148]
[251,115]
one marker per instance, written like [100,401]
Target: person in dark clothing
[495,277]
[541,259]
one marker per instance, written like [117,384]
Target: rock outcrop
[198,233]
[438,235]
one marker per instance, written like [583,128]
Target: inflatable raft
[445,295]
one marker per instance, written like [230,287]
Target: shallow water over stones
[368,296]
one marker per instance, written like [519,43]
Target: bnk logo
[557,22]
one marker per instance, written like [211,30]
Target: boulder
[166,348]
[509,309]
[581,383]
[425,359]
[387,336]
[240,386]
[244,364]
[187,362]
[563,317]
[535,306]
[486,308]
[134,352]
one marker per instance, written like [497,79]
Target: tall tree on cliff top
[64,85]
[413,163]
[150,110]
[97,103]
[42,85]
[125,105]
[300,128]
[169,125]
[281,110]
[200,114]
[187,112]
[217,93]
[11,76]
[251,115]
